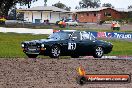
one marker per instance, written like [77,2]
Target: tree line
[6,5]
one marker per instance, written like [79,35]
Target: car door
[73,43]
[77,45]
[87,43]
[80,44]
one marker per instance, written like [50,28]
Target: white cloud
[74,3]
[70,3]
[118,3]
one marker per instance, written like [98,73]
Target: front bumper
[34,51]
[108,49]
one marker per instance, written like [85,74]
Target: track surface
[62,73]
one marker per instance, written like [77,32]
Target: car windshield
[59,36]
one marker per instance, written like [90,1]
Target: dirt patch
[52,73]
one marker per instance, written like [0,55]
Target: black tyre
[98,53]
[57,23]
[81,80]
[55,51]
[61,26]
[32,55]
[75,25]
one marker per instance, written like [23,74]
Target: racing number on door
[71,46]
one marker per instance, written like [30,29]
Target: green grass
[121,47]
[10,45]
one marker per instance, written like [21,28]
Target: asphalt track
[107,57]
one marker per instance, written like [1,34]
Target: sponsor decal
[122,36]
[101,78]
[101,35]
[94,34]
[109,35]
[114,35]
[71,46]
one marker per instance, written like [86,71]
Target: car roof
[68,30]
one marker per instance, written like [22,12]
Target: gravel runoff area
[61,73]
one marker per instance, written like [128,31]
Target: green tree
[77,7]
[62,6]
[107,5]
[12,13]
[6,5]
[45,1]
[130,13]
[130,7]
[89,3]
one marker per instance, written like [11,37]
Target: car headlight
[42,45]
[22,45]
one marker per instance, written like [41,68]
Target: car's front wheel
[55,51]
[32,55]
[98,53]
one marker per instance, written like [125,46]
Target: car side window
[85,36]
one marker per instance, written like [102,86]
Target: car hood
[39,41]
[103,42]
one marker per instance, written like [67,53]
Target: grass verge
[121,47]
[10,43]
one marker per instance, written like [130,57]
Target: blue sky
[73,3]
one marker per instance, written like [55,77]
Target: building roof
[99,9]
[90,9]
[44,8]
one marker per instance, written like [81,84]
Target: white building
[40,13]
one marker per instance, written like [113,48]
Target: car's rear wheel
[57,23]
[55,51]
[32,55]
[61,26]
[98,53]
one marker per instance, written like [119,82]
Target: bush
[101,22]
[130,20]
[2,21]
[119,20]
